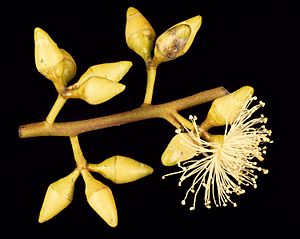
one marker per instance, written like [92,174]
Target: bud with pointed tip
[113,71]
[226,108]
[139,33]
[176,40]
[55,64]
[120,169]
[58,196]
[100,198]
[179,149]
[95,90]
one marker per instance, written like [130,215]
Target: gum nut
[178,150]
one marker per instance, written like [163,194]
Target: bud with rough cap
[176,41]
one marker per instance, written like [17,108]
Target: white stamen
[228,166]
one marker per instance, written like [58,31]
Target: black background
[239,43]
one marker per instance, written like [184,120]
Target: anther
[177,131]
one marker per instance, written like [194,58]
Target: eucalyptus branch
[167,111]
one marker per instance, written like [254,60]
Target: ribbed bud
[176,40]
[95,90]
[100,198]
[112,71]
[226,108]
[58,196]
[55,64]
[120,169]
[139,33]
[179,149]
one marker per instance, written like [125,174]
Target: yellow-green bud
[58,196]
[176,40]
[100,198]
[120,169]
[139,33]
[112,71]
[69,67]
[95,90]
[55,64]
[178,150]
[226,108]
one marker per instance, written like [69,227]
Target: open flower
[227,163]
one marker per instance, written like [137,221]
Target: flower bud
[58,196]
[100,198]
[95,90]
[139,33]
[112,71]
[120,169]
[226,108]
[69,67]
[55,64]
[179,149]
[176,40]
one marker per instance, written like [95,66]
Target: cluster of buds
[97,85]
[224,163]
[173,43]
[118,169]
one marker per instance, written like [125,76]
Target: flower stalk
[59,103]
[151,75]
[166,111]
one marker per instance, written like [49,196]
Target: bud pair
[99,83]
[171,44]
[55,64]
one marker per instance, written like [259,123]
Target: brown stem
[142,113]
